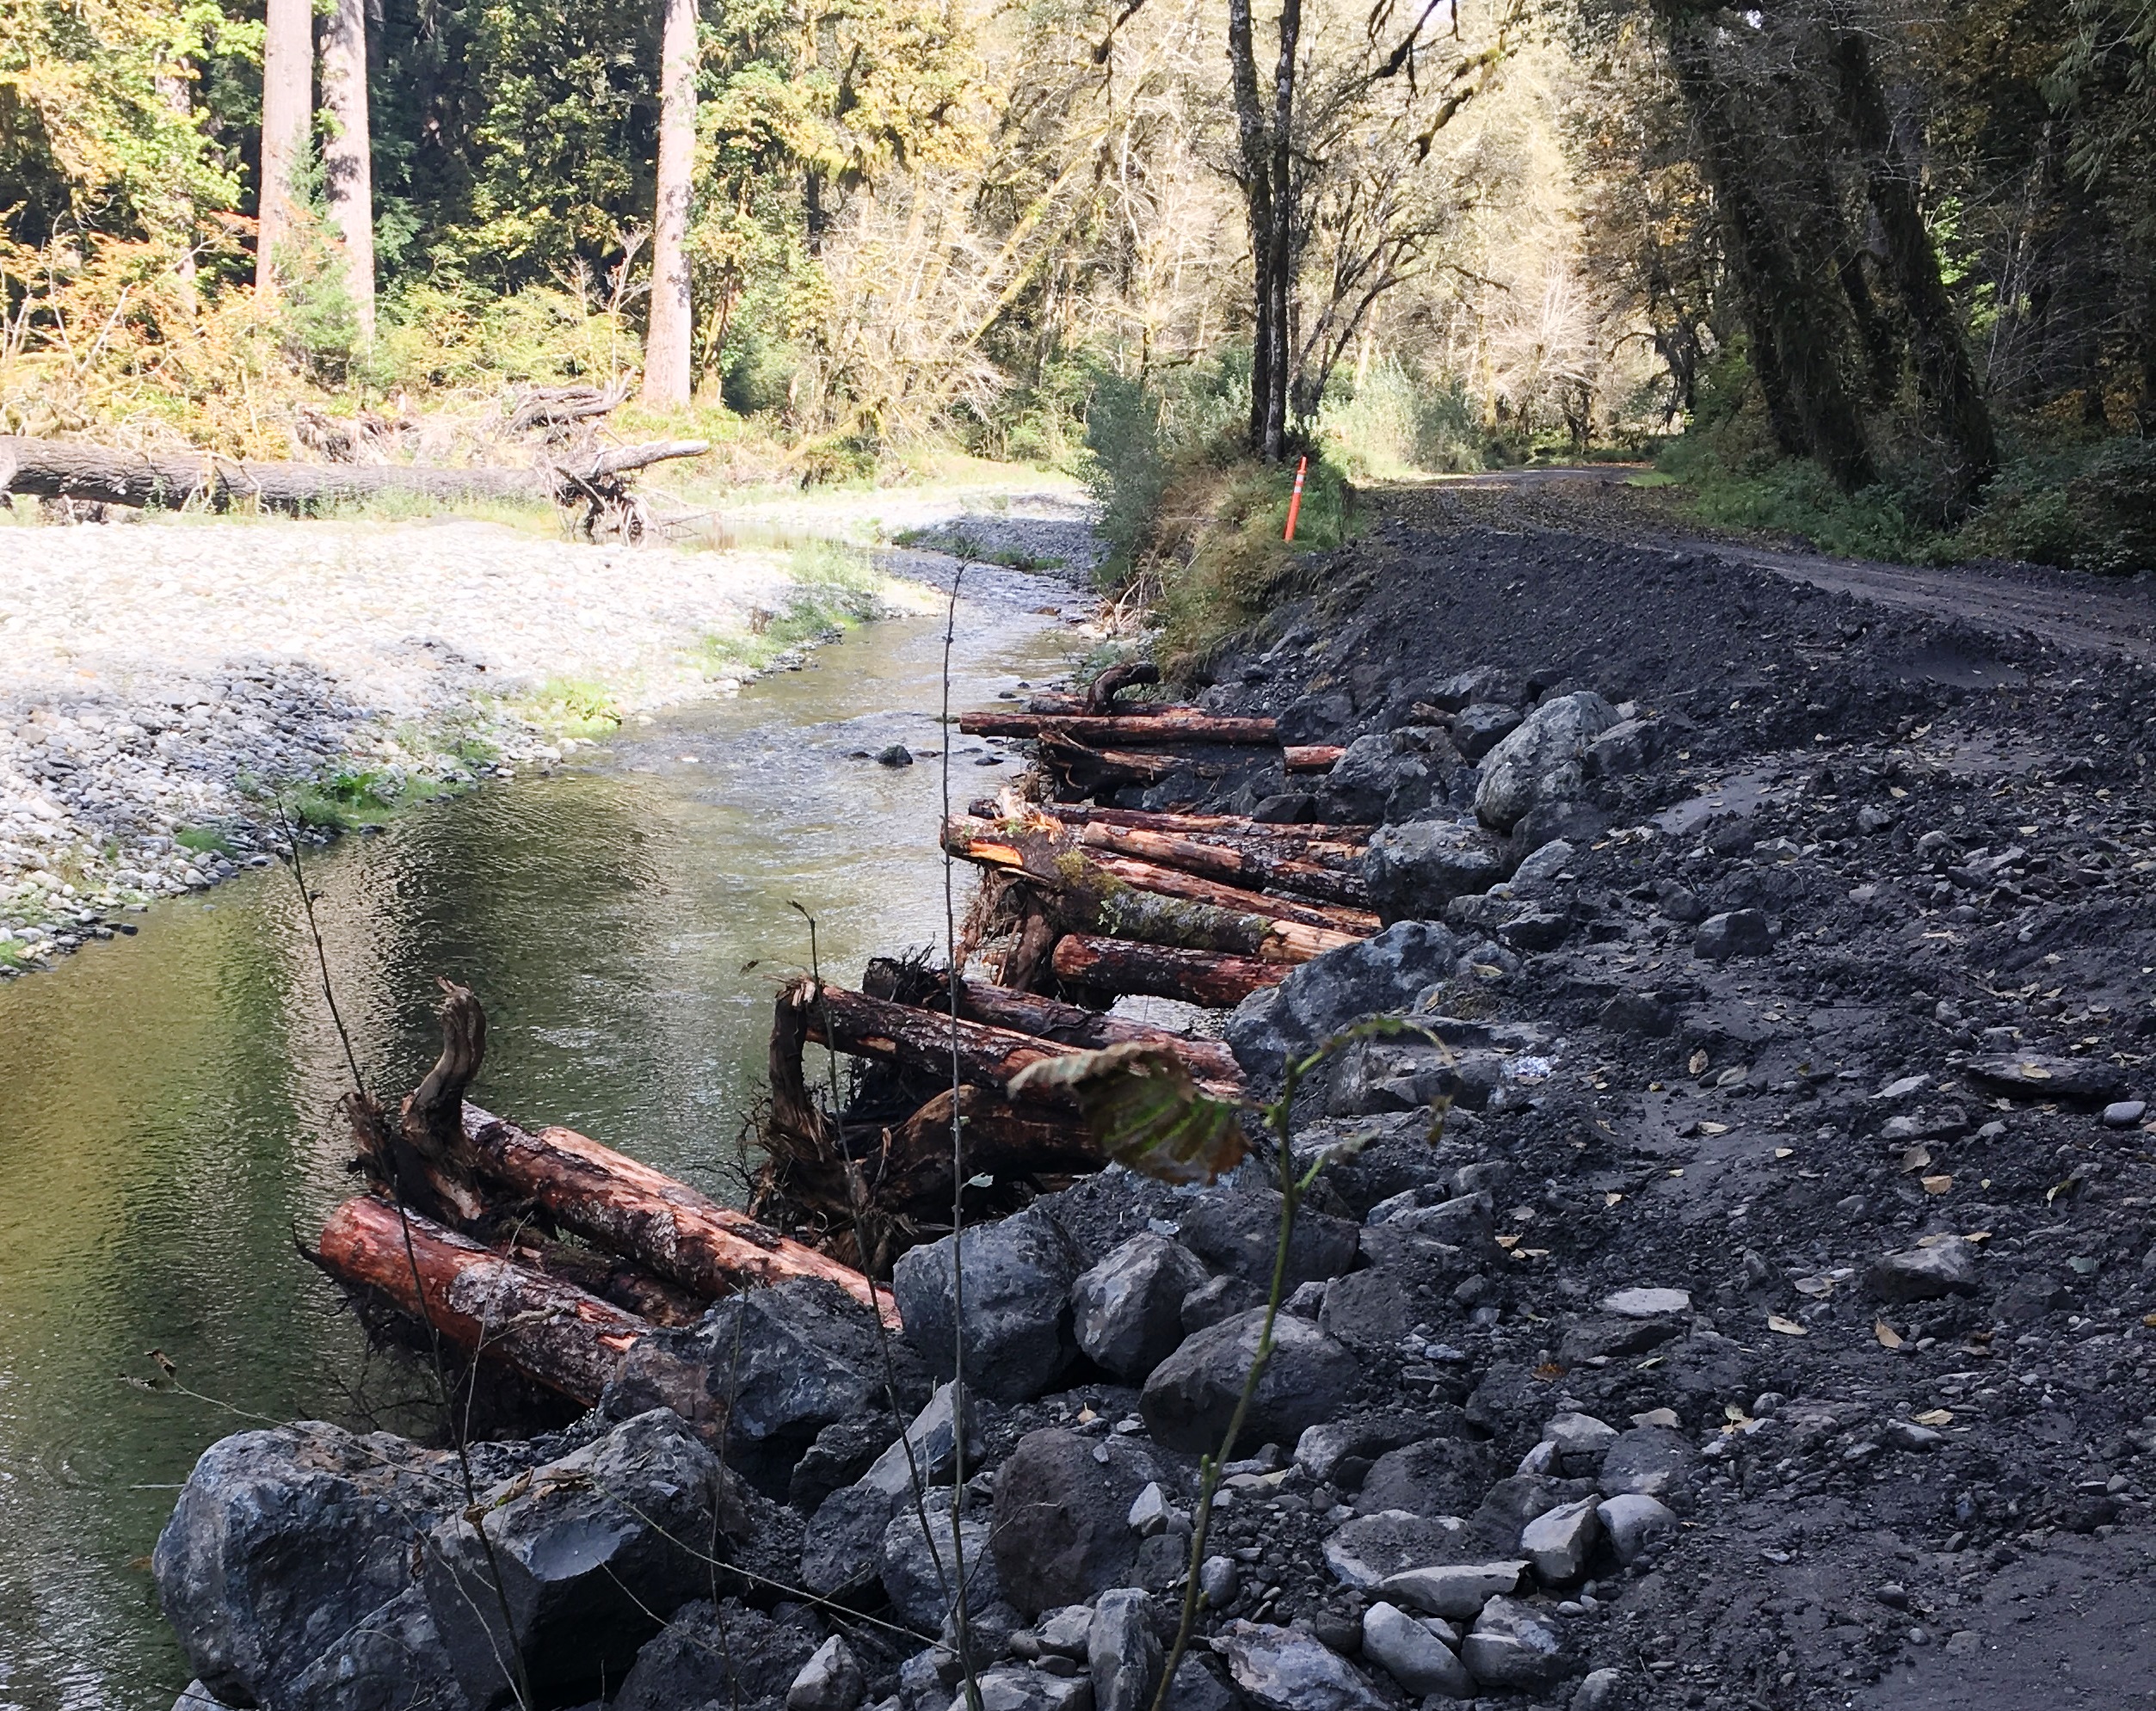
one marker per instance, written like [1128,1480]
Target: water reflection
[164,1121]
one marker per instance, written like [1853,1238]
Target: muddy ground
[1938,793]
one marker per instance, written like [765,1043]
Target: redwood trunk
[479,1303]
[348,171]
[666,344]
[287,110]
[1122,965]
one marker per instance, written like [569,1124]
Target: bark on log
[1083,896]
[1346,841]
[1170,724]
[1248,867]
[51,469]
[1312,757]
[1101,692]
[423,1158]
[632,1209]
[1077,767]
[1123,965]
[482,1305]
[910,1169]
[1048,1019]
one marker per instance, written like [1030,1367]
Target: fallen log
[1312,757]
[1346,842]
[1069,1024]
[481,1305]
[1088,770]
[1251,867]
[1046,850]
[1124,965]
[911,1166]
[1169,725]
[53,469]
[929,1043]
[632,1209]
[1082,895]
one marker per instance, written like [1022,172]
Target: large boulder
[1543,762]
[1238,1231]
[1122,1654]
[1381,974]
[1019,1272]
[1127,1311]
[393,1660]
[842,1547]
[1380,778]
[734,1655]
[1062,1530]
[1188,1400]
[1279,1669]
[920,1569]
[1413,871]
[283,1540]
[1437,1476]
[580,1553]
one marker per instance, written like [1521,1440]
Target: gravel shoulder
[159,680]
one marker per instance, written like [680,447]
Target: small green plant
[201,838]
[572,707]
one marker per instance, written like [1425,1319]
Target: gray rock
[1371,1550]
[1477,683]
[1379,778]
[1466,1221]
[1381,974]
[196,1697]
[1063,1505]
[2079,1080]
[1456,1591]
[1307,1301]
[1188,1400]
[1238,1230]
[1315,719]
[1017,1277]
[1562,822]
[1945,1268]
[1646,1303]
[1278,1669]
[1439,1476]
[919,1569]
[1218,1298]
[1390,1075]
[1122,1652]
[735,1655]
[1127,1311]
[1599,1690]
[1010,1687]
[1635,1524]
[1538,876]
[1414,1657]
[391,1661]
[1371,1311]
[1413,871]
[1630,746]
[1513,1646]
[1196,1687]
[1340,1452]
[1220,1580]
[1480,726]
[2124,1113]
[1543,761]
[843,1546]
[282,1541]
[582,1551]
[931,1443]
[831,1681]
[1679,902]
[1654,1460]
[1646,1013]
[1581,1440]
[1066,1630]
[843,1453]
[1559,1541]
[1736,933]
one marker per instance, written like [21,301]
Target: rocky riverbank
[160,682]
[1771,1321]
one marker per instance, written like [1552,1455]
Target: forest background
[1880,273]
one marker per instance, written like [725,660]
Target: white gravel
[163,677]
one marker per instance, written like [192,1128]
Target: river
[166,1127]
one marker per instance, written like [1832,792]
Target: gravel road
[157,678]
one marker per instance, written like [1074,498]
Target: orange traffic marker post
[1295,499]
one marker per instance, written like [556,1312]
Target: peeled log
[53,469]
[1125,965]
[632,1209]
[1049,1019]
[480,1304]
[1246,867]
[1312,757]
[1309,839]
[1169,725]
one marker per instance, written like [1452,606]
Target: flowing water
[165,1129]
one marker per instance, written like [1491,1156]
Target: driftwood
[554,407]
[53,469]
[1123,965]
[1090,892]
[481,1304]
[1166,724]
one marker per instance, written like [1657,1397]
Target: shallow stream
[166,1128]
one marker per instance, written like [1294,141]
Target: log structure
[1250,865]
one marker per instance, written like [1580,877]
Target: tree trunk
[1945,375]
[481,1305]
[666,343]
[177,206]
[1281,264]
[287,110]
[1122,965]
[53,469]
[1256,176]
[632,1210]
[348,168]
